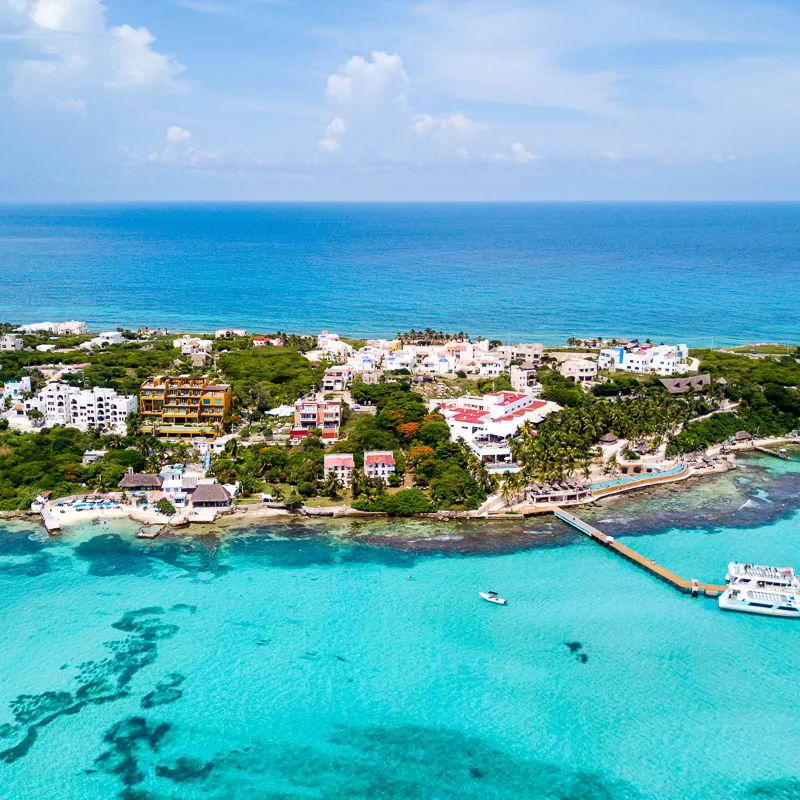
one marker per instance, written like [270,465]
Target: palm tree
[332,485]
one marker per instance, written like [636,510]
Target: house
[529,353]
[198,360]
[742,436]
[643,359]
[190,345]
[379,464]
[92,456]
[491,365]
[14,390]
[229,333]
[184,406]
[263,341]
[211,495]
[103,339]
[696,383]
[337,379]
[523,377]
[332,347]
[10,342]
[323,414]
[579,370]
[341,465]
[140,482]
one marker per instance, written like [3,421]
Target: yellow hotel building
[183,407]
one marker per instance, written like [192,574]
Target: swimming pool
[625,479]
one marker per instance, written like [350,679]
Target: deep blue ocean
[699,273]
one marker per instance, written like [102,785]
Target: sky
[390,100]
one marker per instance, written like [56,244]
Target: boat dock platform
[50,522]
[776,453]
[692,587]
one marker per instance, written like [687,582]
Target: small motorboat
[492,597]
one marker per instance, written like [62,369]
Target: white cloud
[174,155]
[367,82]
[177,134]
[72,48]
[330,143]
[426,124]
[521,155]
[73,105]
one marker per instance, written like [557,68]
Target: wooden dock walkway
[692,587]
[776,453]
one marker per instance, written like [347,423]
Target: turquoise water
[692,272]
[262,665]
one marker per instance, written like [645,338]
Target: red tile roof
[340,460]
[371,459]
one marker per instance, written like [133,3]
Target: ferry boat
[757,589]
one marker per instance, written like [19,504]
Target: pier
[50,522]
[775,453]
[692,587]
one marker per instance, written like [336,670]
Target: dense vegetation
[266,377]
[50,460]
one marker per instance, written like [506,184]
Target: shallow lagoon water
[266,664]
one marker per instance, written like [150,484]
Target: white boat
[757,589]
[491,597]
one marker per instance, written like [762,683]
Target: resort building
[379,464]
[644,359]
[330,346]
[10,342]
[487,423]
[184,407]
[326,415]
[229,333]
[579,370]
[99,408]
[341,465]
[523,378]
[337,379]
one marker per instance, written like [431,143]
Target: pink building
[379,464]
[341,465]
[323,414]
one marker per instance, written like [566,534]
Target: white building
[70,328]
[190,345]
[579,370]
[227,333]
[337,379]
[103,339]
[379,464]
[664,359]
[341,465]
[101,408]
[330,346]
[10,342]
[487,423]
[104,409]
[491,365]
[13,390]
[523,378]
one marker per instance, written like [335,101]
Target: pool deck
[692,587]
